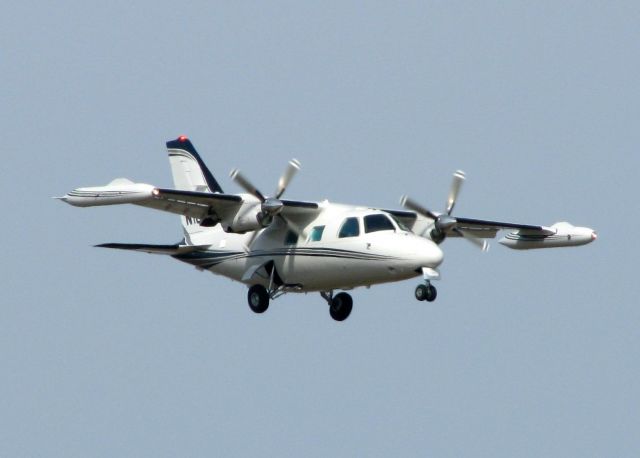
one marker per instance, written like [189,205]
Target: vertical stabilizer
[190,174]
[189,171]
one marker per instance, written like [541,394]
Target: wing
[198,205]
[481,228]
[201,205]
[488,229]
[188,203]
[195,204]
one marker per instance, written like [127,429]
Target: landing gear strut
[426,292]
[340,305]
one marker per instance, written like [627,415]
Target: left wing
[437,226]
[520,237]
[421,224]
[488,229]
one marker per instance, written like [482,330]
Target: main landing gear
[258,298]
[426,292]
[340,305]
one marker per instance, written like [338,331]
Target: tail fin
[190,174]
[189,171]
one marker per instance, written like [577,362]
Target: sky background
[106,353]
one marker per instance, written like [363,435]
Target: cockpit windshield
[378,222]
[400,224]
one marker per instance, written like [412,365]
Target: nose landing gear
[426,292]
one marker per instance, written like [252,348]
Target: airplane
[277,246]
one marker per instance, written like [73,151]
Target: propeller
[292,168]
[444,222]
[270,207]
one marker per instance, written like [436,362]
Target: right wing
[195,204]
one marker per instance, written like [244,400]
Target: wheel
[432,293]
[258,298]
[426,293]
[341,306]
[421,292]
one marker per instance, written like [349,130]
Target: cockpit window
[316,234]
[350,228]
[401,225]
[379,222]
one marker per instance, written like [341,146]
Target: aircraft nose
[431,254]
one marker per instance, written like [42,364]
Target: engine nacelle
[560,235]
[248,218]
[242,222]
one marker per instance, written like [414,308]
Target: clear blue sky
[122,354]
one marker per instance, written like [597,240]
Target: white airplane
[276,246]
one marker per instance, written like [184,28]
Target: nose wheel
[426,292]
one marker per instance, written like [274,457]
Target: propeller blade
[289,225]
[480,243]
[252,239]
[294,228]
[292,168]
[456,184]
[408,202]
[246,184]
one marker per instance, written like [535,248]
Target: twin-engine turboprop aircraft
[276,246]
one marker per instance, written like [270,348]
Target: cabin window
[350,228]
[316,234]
[379,222]
[291,238]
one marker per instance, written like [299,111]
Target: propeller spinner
[444,222]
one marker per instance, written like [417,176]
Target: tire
[258,298]
[421,292]
[341,306]
[432,293]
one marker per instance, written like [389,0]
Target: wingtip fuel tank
[559,235]
[119,191]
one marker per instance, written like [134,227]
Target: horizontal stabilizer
[170,250]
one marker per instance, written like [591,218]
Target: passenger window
[316,234]
[291,238]
[379,222]
[350,228]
